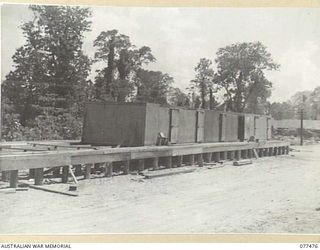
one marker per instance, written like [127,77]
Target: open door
[241,125]
[200,126]
[174,125]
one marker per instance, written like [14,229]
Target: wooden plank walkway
[64,157]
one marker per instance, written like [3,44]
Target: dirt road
[273,195]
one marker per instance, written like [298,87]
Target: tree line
[44,96]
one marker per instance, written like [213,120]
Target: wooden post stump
[244,154]
[65,174]
[191,160]
[13,178]
[200,160]
[208,157]
[216,156]
[168,162]
[223,155]
[179,160]
[231,155]
[250,153]
[270,151]
[141,164]
[108,169]
[126,167]
[260,152]
[238,155]
[38,176]
[155,163]
[87,171]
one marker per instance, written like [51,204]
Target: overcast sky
[179,37]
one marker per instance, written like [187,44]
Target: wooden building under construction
[139,124]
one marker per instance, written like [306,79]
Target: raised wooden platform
[63,154]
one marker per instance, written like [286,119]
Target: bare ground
[273,195]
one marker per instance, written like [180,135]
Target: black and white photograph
[159,120]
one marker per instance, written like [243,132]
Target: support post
[260,152]
[244,154]
[179,160]
[155,163]
[223,155]
[250,153]
[270,152]
[141,164]
[231,155]
[237,155]
[87,171]
[13,178]
[275,151]
[208,157]
[126,167]
[216,156]
[65,174]
[191,160]
[200,160]
[38,176]
[108,169]
[168,162]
